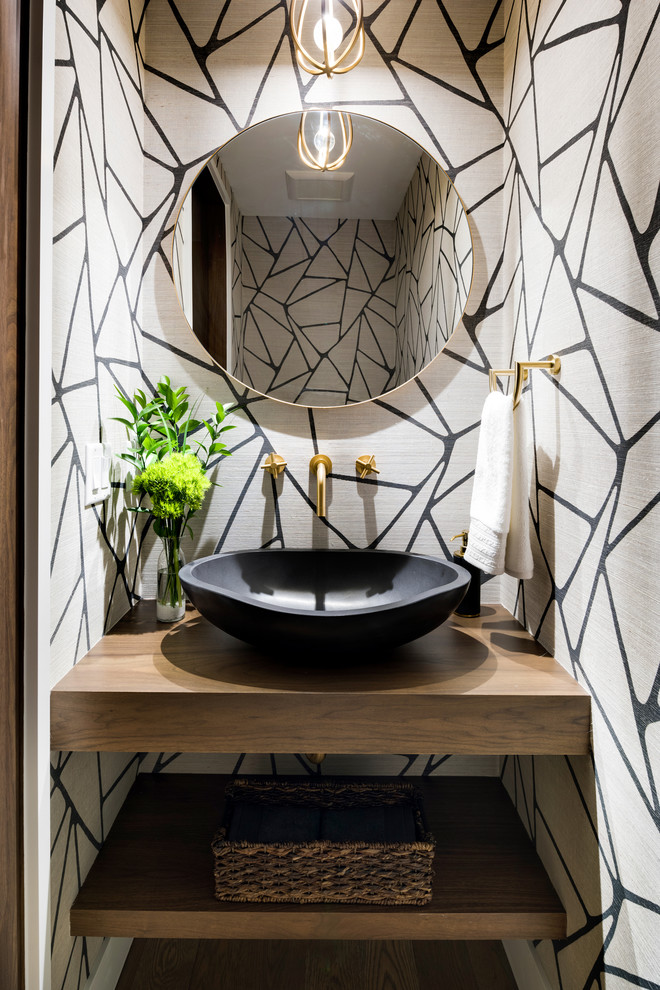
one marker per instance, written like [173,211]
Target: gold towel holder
[493,375]
[521,373]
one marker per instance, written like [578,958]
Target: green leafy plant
[171,450]
[160,427]
[165,424]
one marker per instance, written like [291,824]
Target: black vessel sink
[326,599]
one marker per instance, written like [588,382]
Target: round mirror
[322,258]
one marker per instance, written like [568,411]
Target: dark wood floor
[186,964]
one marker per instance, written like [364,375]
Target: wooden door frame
[27,49]
[13,105]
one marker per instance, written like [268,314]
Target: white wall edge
[525,966]
[110,961]
[36,730]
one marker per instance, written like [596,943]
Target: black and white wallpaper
[98,218]
[338,311]
[542,113]
[582,218]
[317,308]
[434,264]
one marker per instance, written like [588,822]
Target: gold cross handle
[366,465]
[274,464]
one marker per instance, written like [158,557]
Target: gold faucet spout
[320,465]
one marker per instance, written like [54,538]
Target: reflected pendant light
[328,35]
[323,134]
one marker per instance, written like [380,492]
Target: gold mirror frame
[395,388]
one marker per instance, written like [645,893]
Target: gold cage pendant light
[335,29]
[330,131]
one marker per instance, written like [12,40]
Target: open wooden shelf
[154,876]
[475,686]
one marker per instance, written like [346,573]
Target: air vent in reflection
[333,186]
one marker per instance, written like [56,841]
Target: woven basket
[321,870]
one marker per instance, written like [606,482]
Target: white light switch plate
[97,472]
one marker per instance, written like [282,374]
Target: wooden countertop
[471,686]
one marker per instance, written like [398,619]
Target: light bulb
[324,139]
[333,30]
[339,40]
[318,133]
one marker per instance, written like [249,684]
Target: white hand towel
[490,510]
[519,562]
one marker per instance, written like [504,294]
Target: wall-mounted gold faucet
[320,465]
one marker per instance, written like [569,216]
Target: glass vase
[170,598]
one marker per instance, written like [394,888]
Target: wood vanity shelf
[475,686]
[154,876]
[471,686]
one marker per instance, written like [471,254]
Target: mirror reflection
[320,284]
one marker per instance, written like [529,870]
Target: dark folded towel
[292,823]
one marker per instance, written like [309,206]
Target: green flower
[171,451]
[176,485]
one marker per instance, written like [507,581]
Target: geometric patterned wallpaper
[433,256]
[97,261]
[546,160]
[318,308]
[581,206]
[390,292]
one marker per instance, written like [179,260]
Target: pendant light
[324,139]
[328,35]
